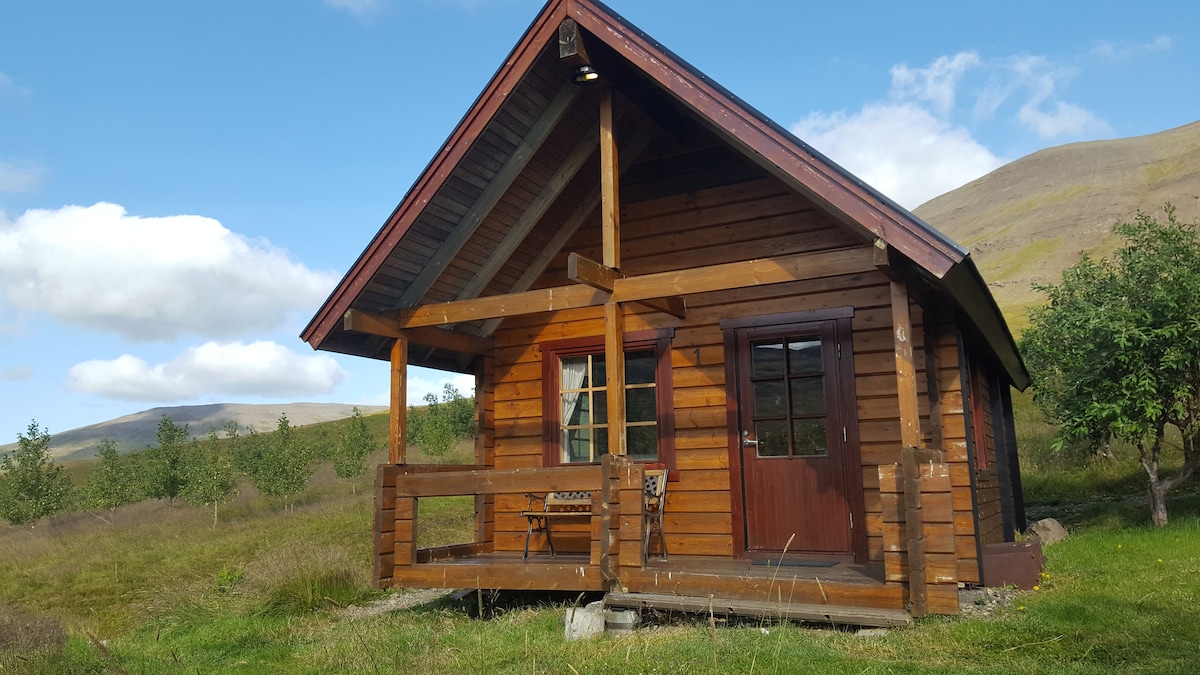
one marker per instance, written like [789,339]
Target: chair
[655,493]
[555,506]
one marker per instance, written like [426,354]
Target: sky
[183,183]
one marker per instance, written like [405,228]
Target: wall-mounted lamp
[584,74]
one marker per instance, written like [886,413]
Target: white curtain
[574,371]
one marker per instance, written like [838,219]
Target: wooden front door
[794,385]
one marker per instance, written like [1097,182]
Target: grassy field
[160,591]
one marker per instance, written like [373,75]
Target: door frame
[848,408]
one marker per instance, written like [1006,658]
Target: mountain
[139,430]
[1030,219]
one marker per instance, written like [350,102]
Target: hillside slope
[1030,219]
[137,431]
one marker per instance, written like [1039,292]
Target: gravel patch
[395,601]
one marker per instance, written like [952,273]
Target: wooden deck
[843,593]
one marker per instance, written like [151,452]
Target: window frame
[554,351]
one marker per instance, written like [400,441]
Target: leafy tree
[114,481]
[437,427]
[211,479]
[1116,350]
[32,486]
[282,463]
[349,459]
[166,470]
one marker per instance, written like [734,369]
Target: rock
[620,621]
[1048,531]
[585,622]
[872,632]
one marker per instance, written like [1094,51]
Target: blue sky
[182,184]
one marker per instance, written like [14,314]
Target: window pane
[808,438]
[804,356]
[772,438]
[576,445]
[640,405]
[601,447]
[766,359]
[769,399]
[575,408]
[639,367]
[599,373]
[808,395]
[600,403]
[643,442]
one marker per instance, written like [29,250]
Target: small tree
[32,486]
[431,429]
[166,470]
[1117,348]
[211,480]
[114,481]
[282,464]
[349,459]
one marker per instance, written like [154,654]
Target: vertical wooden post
[398,423]
[631,479]
[485,505]
[610,208]
[914,526]
[906,380]
[614,358]
[406,531]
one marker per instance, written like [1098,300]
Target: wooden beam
[644,287]
[570,43]
[610,203]
[398,420]
[906,380]
[586,207]
[377,324]
[494,306]
[614,362]
[498,481]
[529,218]
[743,274]
[883,260]
[488,199]
[587,271]
[591,273]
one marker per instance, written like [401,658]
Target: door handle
[747,441]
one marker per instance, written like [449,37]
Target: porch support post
[906,380]
[610,207]
[398,423]
[614,359]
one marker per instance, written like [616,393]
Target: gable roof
[488,212]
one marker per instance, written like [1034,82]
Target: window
[576,399]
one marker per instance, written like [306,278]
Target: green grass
[160,591]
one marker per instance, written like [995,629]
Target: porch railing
[617,518]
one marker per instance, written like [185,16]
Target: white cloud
[918,142]
[212,369]
[20,177]
[902,150]
[19,373]
[936,84]
[434,382]
[151,278]
[1120,53]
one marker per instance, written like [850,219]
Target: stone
[620,621]
[872,632]
[584,622]
[1048,531]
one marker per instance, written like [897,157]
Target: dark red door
[795,487]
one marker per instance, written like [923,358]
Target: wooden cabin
[643,271]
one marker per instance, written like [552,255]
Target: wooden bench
[555,506]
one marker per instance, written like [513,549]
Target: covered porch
[616,561]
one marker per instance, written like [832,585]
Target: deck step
[853,616]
